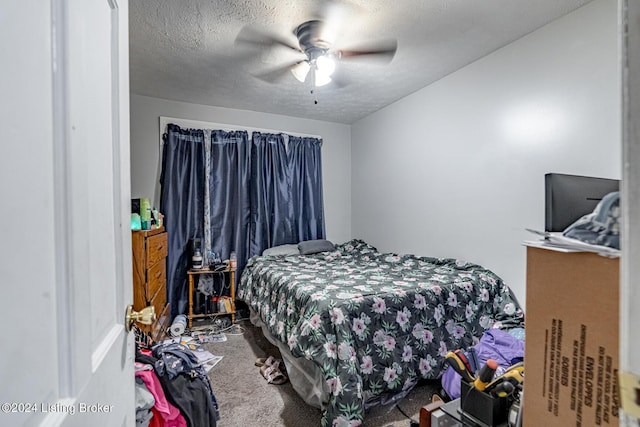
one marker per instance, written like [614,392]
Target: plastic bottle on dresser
[233,262]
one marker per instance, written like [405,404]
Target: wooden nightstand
[232,294]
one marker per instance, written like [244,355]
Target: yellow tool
[485,375]
[513,375]
[503,389]
[454,359]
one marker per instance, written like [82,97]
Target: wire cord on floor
[411,420]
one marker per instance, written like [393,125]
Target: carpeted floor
[247,400]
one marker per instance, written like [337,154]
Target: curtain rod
[198,124]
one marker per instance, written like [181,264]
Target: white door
[65,244]
[630,202]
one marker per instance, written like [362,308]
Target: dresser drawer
[159,301]
[156,249]
[156,277]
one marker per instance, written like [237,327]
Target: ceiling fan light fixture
[326,65]
[300,71]
[315,42]
[321,78]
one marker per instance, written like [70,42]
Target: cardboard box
[571,345]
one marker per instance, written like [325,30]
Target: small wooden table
[232,293]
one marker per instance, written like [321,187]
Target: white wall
[336,150]
[457,168]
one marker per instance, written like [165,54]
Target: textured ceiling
[184,50]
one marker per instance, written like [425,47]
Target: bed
[357,327]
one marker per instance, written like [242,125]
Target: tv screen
[569,197]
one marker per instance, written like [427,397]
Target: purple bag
[495,344]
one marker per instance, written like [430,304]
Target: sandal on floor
[272,373]
[262,361]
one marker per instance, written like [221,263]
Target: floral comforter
[374,323]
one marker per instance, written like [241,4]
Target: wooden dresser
[150,277]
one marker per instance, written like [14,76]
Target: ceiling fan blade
[259,38]
[333,15]
[384,50]
[275,74]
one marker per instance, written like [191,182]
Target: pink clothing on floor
[170,414]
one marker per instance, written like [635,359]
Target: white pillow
[281,250]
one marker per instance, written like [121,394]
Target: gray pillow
[309,247]
[281,250]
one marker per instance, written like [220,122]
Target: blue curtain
[182,203]
[229,195]
[306,202]
[262,193]
[270,223]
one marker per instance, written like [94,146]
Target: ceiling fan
[317,57]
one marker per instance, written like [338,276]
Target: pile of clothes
[602,226]
[172,388]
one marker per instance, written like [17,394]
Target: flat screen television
[570,197]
